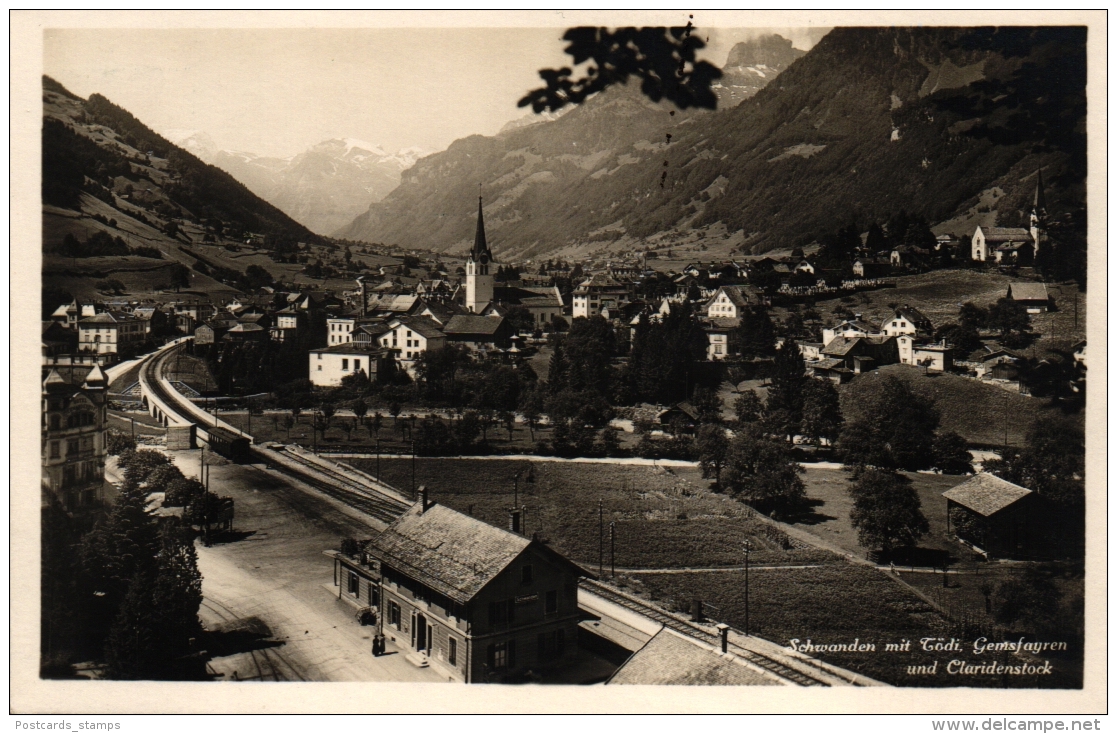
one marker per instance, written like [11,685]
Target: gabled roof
[723,324]
[1028,291]
[109,317]
[1004,234]
[454,554]
[734,294]
[840,346]
[423,326]
[912,314]
[671,659]
[470,324]
[986,494]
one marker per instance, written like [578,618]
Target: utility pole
[612,549]
[378,458]
[1006,423]
[600,538]
[748,550]
[413,467]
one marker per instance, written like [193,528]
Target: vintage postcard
[558,362]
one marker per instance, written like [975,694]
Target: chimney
[424,502]
[696,610]
[723,632]
[364,296]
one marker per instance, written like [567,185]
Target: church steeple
[480,243]
[478,281]
[1039,201]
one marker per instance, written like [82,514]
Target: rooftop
[452,553]
[671,659]
[463,324]
[986,494]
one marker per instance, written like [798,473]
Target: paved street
[267,591]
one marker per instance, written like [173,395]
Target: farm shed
[990,513]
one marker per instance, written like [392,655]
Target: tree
[288,424]
[748,407]
[895,429]
[531,405]
[327,411]
[610,440]
[713,450]
[886,511]
[951,454]
[822,411]
[708,404]
[756,334]
[764,472]
[784,410]
[376,424]
[664,59]
[1051,463]
[137,465]
[176,595]
[360,409]
[1010,318]
[1032,599]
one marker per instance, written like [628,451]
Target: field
[976,411]
[841,604]
[664,519]
[829,518]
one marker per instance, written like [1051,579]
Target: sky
[278,91]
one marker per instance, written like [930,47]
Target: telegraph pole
[412,467]
[748,550]
[613,549]
[378,458]
[600,538]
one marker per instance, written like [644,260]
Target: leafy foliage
[896,429]
[664,59]
[886,511]
[763,472]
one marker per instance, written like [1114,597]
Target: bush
[116,442]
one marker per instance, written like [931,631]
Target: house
[69,314]
[57,339]
[543,303]
[478,332]
[287,324]
[991,514]
[907,320]
[907,256]
[410,336]
[1033,296]
[729,302]
[477,603]
[245,333]
[986,240]
[110,332]
[850,328]
[862,354]
[683,416]
[598,292]
[936,357]
[721,334]
[805,266]
[73,438]
[868,267]
[330,365]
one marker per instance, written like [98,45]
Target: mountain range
[324,187]
[948,123]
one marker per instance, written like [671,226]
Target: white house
[906,320]
[330,365]
[598,292]
[107,332]
[411,336]
[728,303]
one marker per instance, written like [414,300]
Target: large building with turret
[75,415]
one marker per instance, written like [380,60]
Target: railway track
[344,489]
[694,631]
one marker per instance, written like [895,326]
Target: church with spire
[478,274]
[1014,244]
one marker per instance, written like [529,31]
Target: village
[489,594]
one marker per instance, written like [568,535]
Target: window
[344,365]
[354,584]
[373,596]
[72,446]
[502,612]
[55,449]
[502,655]
[409,333]
[319,368]
[356,364]
[55,422]
[526,575]
[393,614]
[452,657]
[550,604]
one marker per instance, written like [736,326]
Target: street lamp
[748,550]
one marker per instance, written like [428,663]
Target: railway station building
[476,602]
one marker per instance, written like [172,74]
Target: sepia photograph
[568,352]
